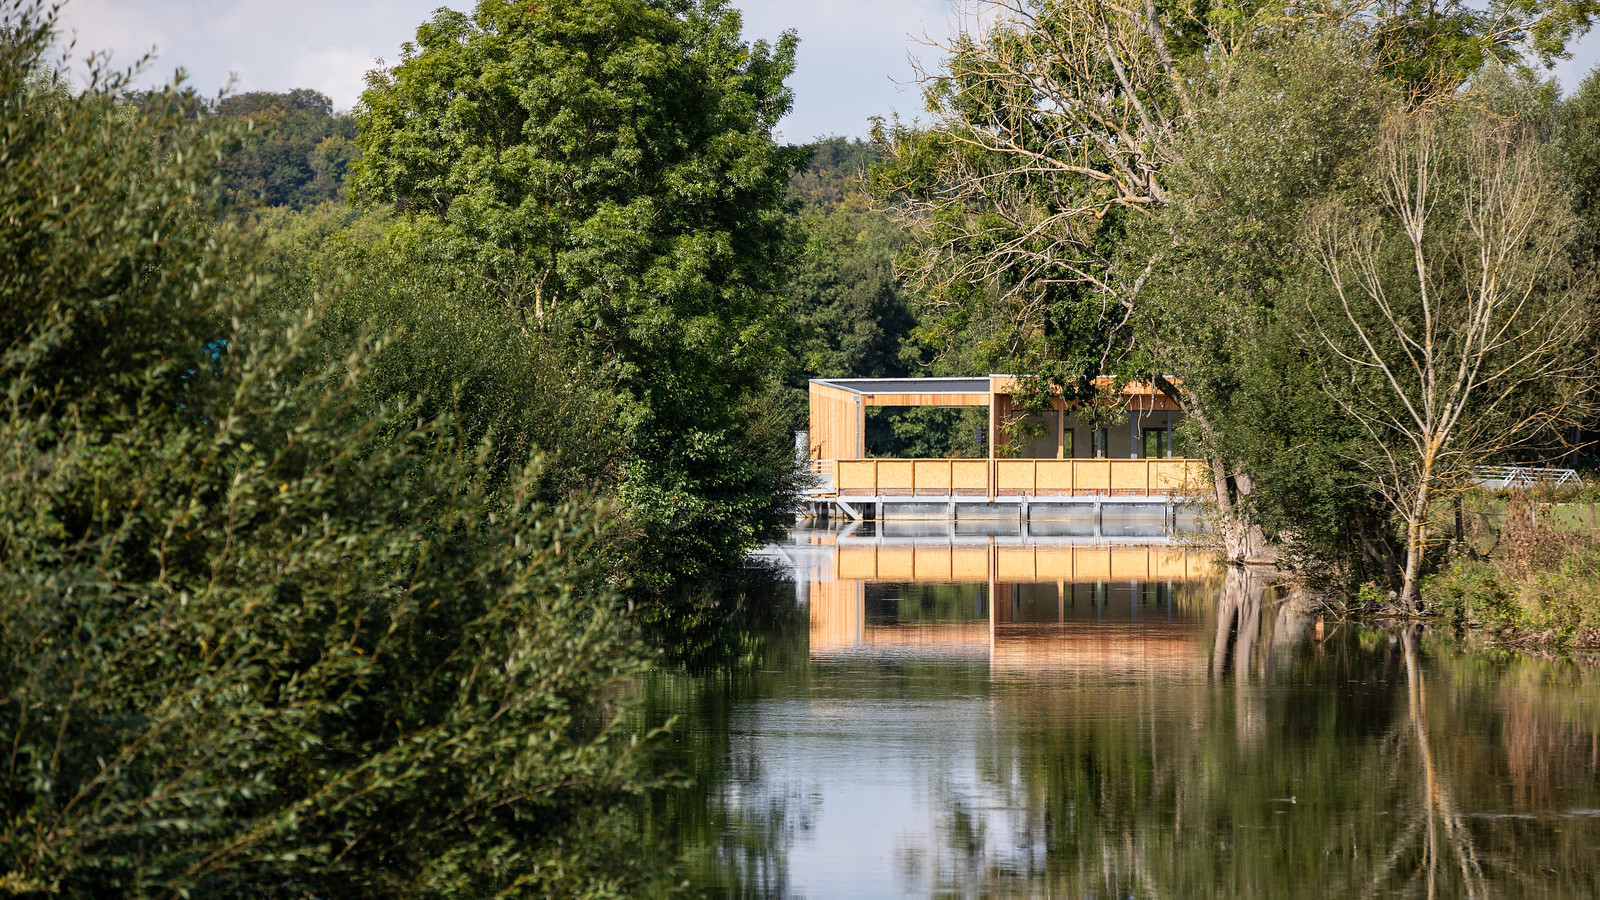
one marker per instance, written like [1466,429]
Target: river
[926,711]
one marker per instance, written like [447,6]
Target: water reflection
[1009,713]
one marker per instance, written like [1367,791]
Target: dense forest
[356,465]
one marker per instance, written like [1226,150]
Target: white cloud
[338,72]
[853,58]
[272,46]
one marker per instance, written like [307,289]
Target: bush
[1472,592]
[262,634]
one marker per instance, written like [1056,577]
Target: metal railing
[1509,477]
[821,477]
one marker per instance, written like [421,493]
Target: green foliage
[1578,144]
[852,319]
[259,635]
[608,167]
[292,151]
[1471,591]
[1122,191]
[1276,131]
[837,171]
[450,350]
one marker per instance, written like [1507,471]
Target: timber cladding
[948,401]
[838,420]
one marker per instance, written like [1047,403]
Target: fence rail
[1509,477]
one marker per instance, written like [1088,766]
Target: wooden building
[1060,454]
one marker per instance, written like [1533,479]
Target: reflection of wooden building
[1041,606]
[939,561]
[1056,453]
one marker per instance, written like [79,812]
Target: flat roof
[909,385]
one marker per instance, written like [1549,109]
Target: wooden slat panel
[969,564]
[932,474]
[857,476]
[896,564]
[933,563]
[1053,563]
[945,400]
[1091,475]
[1129,564]
[1038,564]
[969,474]
[894,474]
[1130,475]
[1175,475]
[1014,564]
[857,562]
[1091,564]
[1014,474]
[837,615]
[1054,476]
[1173,565]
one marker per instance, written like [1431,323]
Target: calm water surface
[992,713]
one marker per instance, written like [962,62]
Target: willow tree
[1453,328]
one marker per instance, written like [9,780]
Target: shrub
[259,637]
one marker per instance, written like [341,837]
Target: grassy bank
[1524,568]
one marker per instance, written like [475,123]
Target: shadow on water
[935,711]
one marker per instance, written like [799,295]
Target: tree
[1054,129]
[1275,130]
[608,166]
[294,151]
[1455,327]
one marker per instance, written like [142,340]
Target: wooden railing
[1018,477]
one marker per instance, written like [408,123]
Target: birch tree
[1453,327]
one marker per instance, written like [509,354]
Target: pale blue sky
[852,65]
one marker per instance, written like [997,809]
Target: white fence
[1508,477]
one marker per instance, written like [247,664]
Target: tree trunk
[1416,545]
[1242,539]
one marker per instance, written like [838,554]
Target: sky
[853,58]
[852,52]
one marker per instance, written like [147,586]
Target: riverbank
[1524,570]
[1554,605]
